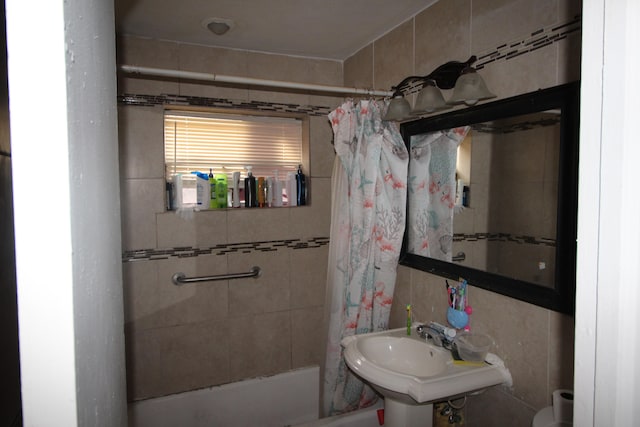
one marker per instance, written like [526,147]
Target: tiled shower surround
[181,338]
[199,335]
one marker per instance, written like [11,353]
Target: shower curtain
[432,186]
[367,225]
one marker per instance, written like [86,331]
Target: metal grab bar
[459,257]
[179,279]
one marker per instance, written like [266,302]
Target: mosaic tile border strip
[504,237]
[223,249]
[198,101]
[491,127]
[536,40]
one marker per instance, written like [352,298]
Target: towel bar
[179,279]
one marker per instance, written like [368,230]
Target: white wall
[67,214]
[607,378]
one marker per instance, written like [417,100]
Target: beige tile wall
[536,344]
[523,203]
[198,335]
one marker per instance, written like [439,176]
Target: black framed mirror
[492,196]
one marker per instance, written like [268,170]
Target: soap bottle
[221,189]
[250,200]
[213,203]
[301,188]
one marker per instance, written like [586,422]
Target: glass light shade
[470,88]
[399,109]
[429,99]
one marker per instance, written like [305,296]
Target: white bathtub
[289,399]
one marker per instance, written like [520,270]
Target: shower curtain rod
[191,75]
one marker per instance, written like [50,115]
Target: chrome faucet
[438,337]
[426,332]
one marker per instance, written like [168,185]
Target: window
[227,143]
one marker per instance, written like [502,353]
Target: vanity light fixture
[429,99]
[468,87]
[399,108]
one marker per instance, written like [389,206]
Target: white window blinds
[227,143]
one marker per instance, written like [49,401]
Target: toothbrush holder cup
[457,318]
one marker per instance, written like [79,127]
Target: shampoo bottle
[261,191]
[277,190]
[301,188]
[236,190]
[213,203]
[203,192]
[221,189]
[268,194]
[291,189]
[250,200]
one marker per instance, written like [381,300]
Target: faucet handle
[426,332]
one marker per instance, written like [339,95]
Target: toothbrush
[408,319]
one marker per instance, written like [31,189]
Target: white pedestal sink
[412,374]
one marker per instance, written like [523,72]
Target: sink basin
[403,355]
[413,373]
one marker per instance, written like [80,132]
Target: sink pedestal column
[398,414]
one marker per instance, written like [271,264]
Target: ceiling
[329,29]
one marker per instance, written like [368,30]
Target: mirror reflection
[492,196]
[485,195]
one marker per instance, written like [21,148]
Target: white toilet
[560,414]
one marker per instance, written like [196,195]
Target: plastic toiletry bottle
[291,189]
[459,187]
[250,200]
[203,190]
[277,190]
[261,189]
[212,183]
[178,192]
[221,189]
[170,199]
[236,189]
[301,188]
[268,194]
[465,196]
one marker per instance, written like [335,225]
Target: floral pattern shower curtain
[432,186]
[367,226]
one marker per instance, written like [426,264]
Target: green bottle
[213,202]
[221,190]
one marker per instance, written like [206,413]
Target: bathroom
[262,328]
